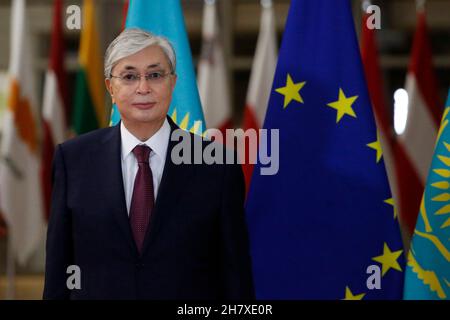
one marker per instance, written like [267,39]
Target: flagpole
[10,269]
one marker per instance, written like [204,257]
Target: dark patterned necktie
[142,200]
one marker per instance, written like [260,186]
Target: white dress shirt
[158,143]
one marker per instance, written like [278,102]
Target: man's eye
[154,75]
[129,77]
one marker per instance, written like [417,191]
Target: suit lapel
[109,157]
[109,153]
[169,190]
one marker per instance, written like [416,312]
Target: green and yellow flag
[89,110]
[428,270]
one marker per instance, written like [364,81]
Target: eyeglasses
[133,79]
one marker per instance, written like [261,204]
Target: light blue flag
[428,270]
[165,18]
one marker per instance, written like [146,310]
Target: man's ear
[174,81]
[109,88]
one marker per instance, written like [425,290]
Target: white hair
[133,40]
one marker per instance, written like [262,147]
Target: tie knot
[142,153]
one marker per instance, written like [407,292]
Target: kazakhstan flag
[428,270]
[324,226]
[165,18]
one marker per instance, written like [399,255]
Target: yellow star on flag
[350,296]
[388,259]
[291,91]
[391,202]
[343,105]
[376,145]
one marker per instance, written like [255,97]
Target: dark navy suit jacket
[195,248]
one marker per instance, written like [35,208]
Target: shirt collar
[157,142]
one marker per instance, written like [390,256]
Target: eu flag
[165,18]
[324,226]
[428,271]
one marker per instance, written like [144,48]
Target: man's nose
[143,86]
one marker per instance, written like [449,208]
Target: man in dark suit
[137,225]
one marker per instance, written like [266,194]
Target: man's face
[142,101]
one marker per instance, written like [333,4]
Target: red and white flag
[212,73]
[418,140]
[261,77]
[125,7]
[20,183]
[55,105]
[2,226]
[372,70]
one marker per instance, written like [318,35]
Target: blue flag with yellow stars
[324,226]
[428,269]
[165,18]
